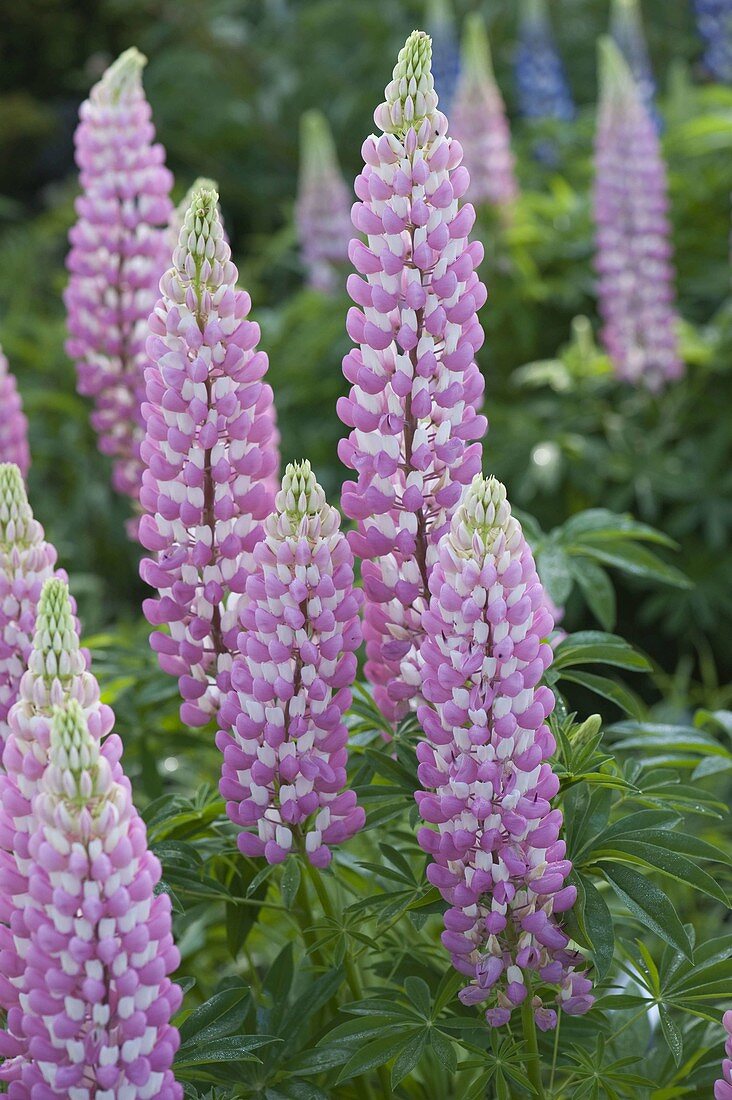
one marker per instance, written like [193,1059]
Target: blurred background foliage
[228,81]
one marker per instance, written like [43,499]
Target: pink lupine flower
[633,246]
[118,252]
[57,671]
[284,766]
[13,425]
[723,1087]
[497,858]
[26,561]
[480,123]
[415,383]
[208,457]
[95,1002]
[323,207]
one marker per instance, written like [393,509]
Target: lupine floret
[723,1087]
[119,250]
[13,423]
[487,784]
[323,207]
[209,459]
[284,768]
[96,1000]
[633,246]
[480,123]
[415,385]
[26,561]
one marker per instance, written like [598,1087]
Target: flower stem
[528,1025]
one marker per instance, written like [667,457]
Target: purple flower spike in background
[723,1087]
[440,20]
[497,859]
[415,385]
[714,22]
[480,123]
[209,459]
[13,424]
[96,999]
[633,247]
[323,207]
[541,83]
[284,768]
[626,28]
[119,250]
[26,561]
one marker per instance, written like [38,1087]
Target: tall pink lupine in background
[96,1000]
[633,241]
[209,459]
[497,859]
[415,383]
[119,251]
[323,206]
[480,124]
[26,561]
[13,424]
[284,768]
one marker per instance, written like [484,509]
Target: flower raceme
[480,123]
[26,561]
[714,22]
[633,247]
[492,833]
[14,426]
[209,459]
[285,758]
[626,27]
[323,208]
[414,381]
[541,82]
[118,252]
[96,998]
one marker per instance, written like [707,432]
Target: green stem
[352,975]
[528,1025]
[555,1052]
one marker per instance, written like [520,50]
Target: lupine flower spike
[633,247]
[323,208]
[119,250]
[497,859]
[179,212]
[541,82]
[57,672]
[480,123]
[446,59]
[415,384]
[626,28]
[13,426]
[208,458]
[26,561]
[723,1087]
[97,1000]
[714,22]
[284,766]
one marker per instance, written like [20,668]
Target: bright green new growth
[203,183]
[625,14]
[476,51]
[484,512]
[410,96]
[318,154]
[300,494]
[17,526]
[74,753]
[122,80]
[56,641]
[616,79]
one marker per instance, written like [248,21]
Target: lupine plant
[415,387]
[714,20]
[626,28]
[633,243]
[14,426]
[480,123]
[440,18]
[323,207]
[118,253]
[26,562]
[541,83]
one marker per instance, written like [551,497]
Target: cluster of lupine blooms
[541,83]
[323,207]
[633,249]
[714,20]
[86,946]
[626,29]
[257,592]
